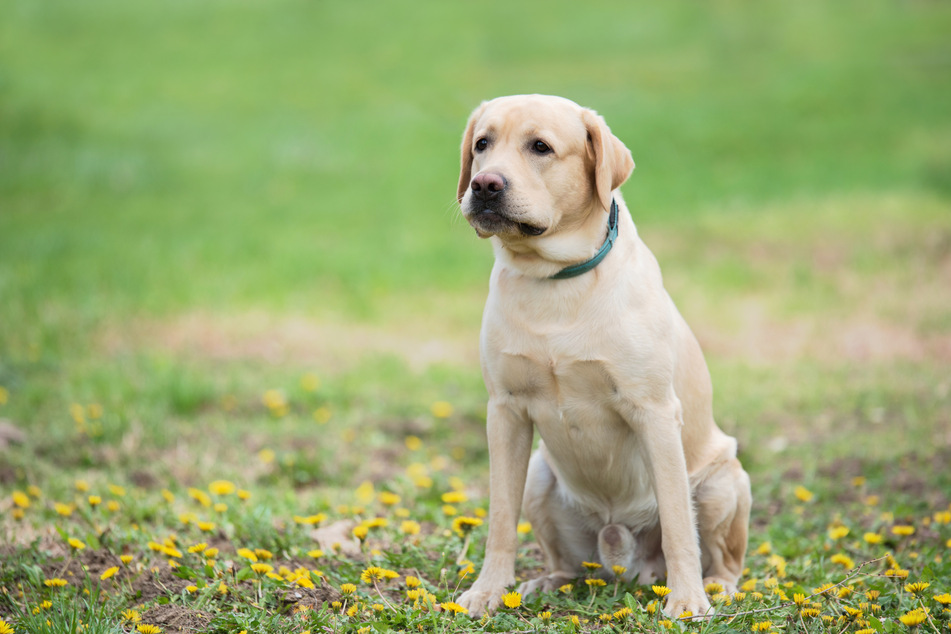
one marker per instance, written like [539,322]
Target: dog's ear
[465,172]
[612,160]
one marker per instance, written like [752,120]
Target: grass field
[239,311]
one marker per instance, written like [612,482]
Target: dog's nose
[487,185]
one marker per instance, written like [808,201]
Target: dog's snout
[487,185]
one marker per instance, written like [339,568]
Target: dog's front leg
[680,544]
[510,445]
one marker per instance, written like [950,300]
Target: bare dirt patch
[295,339]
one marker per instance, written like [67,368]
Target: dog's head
[535,165]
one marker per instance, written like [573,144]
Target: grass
[230,259]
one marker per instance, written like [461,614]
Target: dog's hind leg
[558,528]
[723,502]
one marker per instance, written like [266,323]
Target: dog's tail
[617,548]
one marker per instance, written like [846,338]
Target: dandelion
[512,600]
[372,574]
[764,549]
[463,525]
[248,554]
[803,494]
[413,443]
[149,629]
[222,487]
[618,570]
[838,532]
[389,499]
[843,560]
[108,572]
[310,520]
[211,553]
[661,591]
[596,583]
[455,608]
[713,588]
[94,500]
[5,628]
[441,409]
[206,527]
[896,573]
[131,616]
[243,495]
[917,588]
[409,527]
[322,415]
[315,554]
[360,531]
[872,538]
[652,608]
[117,490]
[76,544]
[21,500]
[590,565]
[567,588]
[524,528]
[191,589]
[762,626]
[63,509]
[914,618]
[455,497]
[903,530]
[605,618]
[262,568]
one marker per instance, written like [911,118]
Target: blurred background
[203,200]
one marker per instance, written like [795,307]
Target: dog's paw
[687,604]
[481,599]
[545,583]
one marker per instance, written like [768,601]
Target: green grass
[202,202]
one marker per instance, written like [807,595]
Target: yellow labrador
[581,341]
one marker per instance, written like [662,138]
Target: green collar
[584,267]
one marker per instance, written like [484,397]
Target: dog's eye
[481,144]
[541,147]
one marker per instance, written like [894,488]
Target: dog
[581,341]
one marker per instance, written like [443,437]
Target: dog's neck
[566,253]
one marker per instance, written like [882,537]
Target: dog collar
[584,267]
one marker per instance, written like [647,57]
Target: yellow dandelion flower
[108,572]
[762,626]
[843,560]
[243,495]
[917,588]
[803,494]
[131,616]
[749,585]
[441,409]
[117,490]
[371,574]
[567,588]
[896,573]
[262,568]
[764,549]
[412,582]
[76,544]
[809,613]
[409,527]
[618,570]
[463,525]
[413,443]
[206,527]
[455,608]
[222,487]
[360,531]
[81,485]
[872,538]
[455,497]
[942,517]
[661,591]
[310,520]
[604,618]
[903,530]
[315,554]
[63,509]
[544,616]
[652,607]
[590,565]
[623,613]
[943,599]
[838,532]
[348,588]
[94,500]
[524,528]
[913,618]
[247,553]
[596,583]
[389,499]
[713,588]
[211,553]
[55,582]
[145,628]
[512,600]
[125,559]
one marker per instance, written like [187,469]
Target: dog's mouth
[492,222]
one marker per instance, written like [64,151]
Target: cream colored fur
[632,469]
